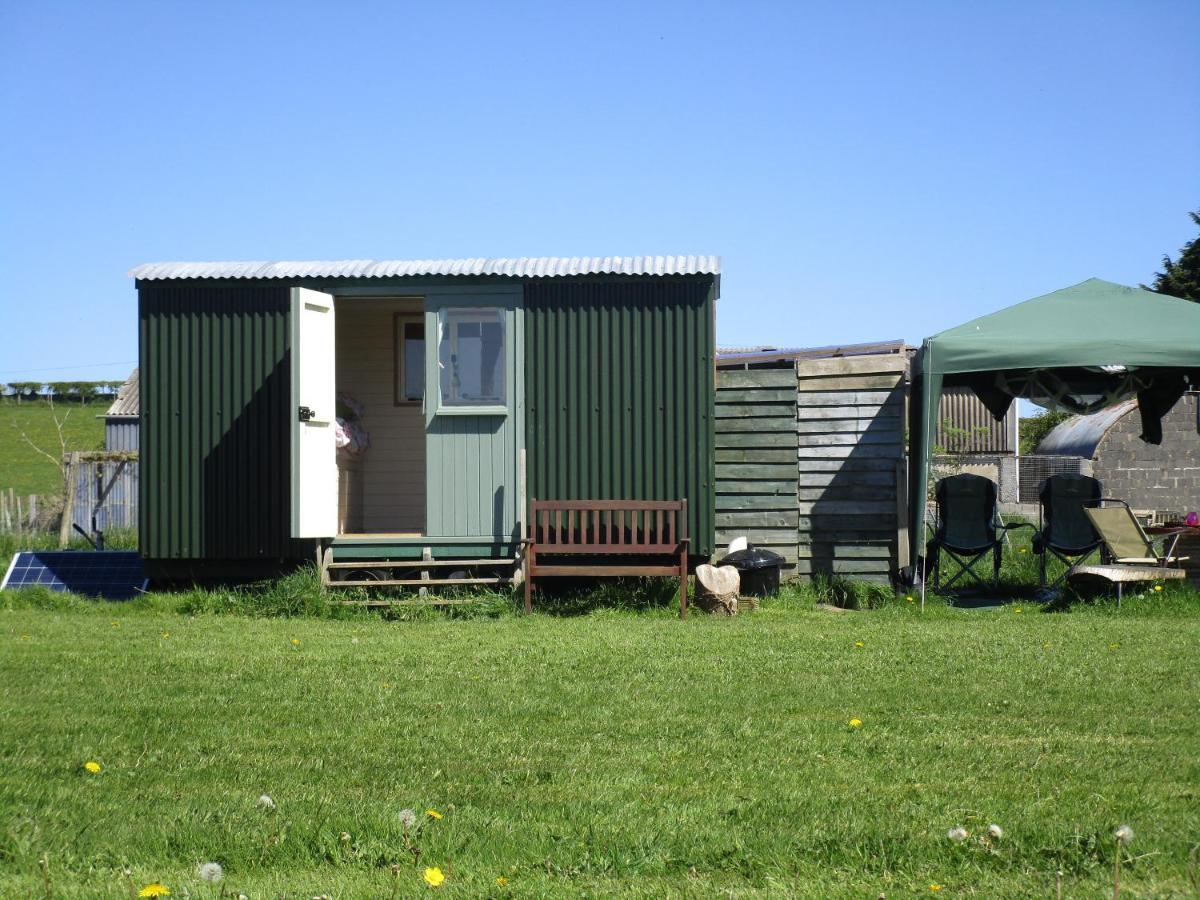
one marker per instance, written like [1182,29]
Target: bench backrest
[608,526]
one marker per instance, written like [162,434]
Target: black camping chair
[1064,530]
[969,528]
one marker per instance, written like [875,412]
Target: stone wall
[1166,477]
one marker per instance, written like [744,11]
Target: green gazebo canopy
[1080,348]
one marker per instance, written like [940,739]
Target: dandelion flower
[958,834]
[92,766]
[995,832]
[501,881]
[408,818]
[1157,588]
[858,644]
[1124,834]
[266,802]
[935,887]
[434,877]
[295,642]
[855,723]
[433,814]
[155,890]
[166,635]
[210,872]
[1016,609]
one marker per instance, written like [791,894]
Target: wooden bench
[621,528]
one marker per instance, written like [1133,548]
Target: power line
[70,368]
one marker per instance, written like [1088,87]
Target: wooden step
[424,601]
[418,582]
[420,563]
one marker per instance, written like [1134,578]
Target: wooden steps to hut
[423,576]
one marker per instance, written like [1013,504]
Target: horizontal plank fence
[850,462]
[756,443]
[811,463]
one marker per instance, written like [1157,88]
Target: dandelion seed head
[210,872]
[958,834]
[1124,834]
[995,832]
[344,837]
[266,802]
[408,818]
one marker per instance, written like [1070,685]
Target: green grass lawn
[615,752]
[24,469]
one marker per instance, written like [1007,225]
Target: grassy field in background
[606,752]
[24,469]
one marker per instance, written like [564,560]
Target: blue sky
[867,171]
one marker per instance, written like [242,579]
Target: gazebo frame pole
[923,437]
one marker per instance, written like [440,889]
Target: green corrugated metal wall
[619,393]
[215,394]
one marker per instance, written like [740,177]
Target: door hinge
[306,414]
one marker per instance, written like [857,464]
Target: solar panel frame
[109,574]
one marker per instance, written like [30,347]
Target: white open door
[314,391]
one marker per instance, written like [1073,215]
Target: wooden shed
[459,388]
[811,456]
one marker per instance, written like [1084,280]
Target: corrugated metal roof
[741,355]
[128,399]
[1081,435]
[522,267]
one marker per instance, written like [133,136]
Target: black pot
[758,569]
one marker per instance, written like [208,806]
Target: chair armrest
[1007,527]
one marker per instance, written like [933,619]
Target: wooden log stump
[717,589]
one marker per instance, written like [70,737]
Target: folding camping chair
[1125,542]
[1064,531]
[967,528]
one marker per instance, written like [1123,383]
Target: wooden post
[683,558]
[529,561]
[426,556]
[68,513]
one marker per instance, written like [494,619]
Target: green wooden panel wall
[619,392]
[215,461]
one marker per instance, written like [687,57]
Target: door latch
[306,414]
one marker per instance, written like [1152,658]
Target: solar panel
[112,574]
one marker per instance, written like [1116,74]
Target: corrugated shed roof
[740,355]
[1081,435]
[127,404]
[522,267]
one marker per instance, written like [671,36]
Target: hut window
[409,359]
[471,357]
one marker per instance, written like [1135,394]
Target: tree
[1181,277]
[1032,429]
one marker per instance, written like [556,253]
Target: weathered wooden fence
[756,443]
[26,512]
[852,475]
[810,463]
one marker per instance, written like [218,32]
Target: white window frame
[399,360]
[483,315]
